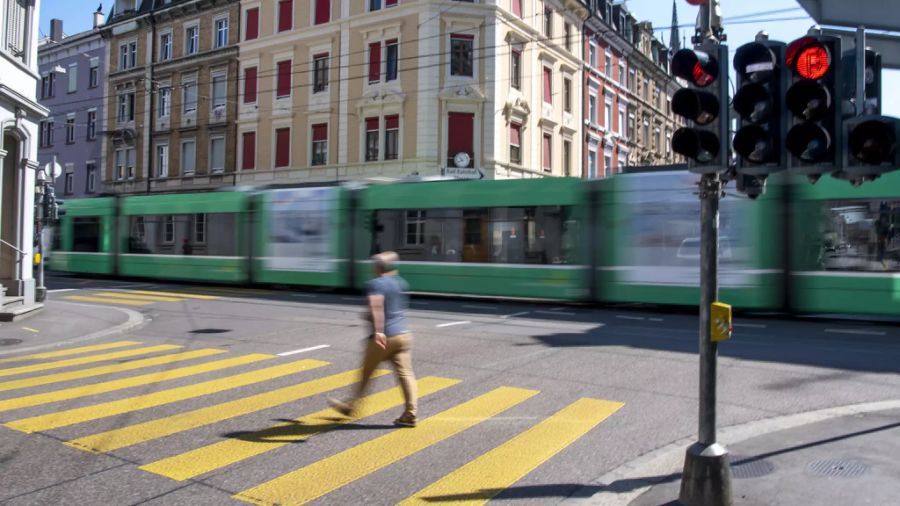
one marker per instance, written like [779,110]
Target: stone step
[18,311]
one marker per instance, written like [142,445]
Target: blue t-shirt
[396,302]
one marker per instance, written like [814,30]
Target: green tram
[633,238]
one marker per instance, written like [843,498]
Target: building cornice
[24,102]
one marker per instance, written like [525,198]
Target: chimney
[98,19]
[56,33]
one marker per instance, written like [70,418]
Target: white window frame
[70,128]
[607,111]
[130,156]
[164,101]
[192,80]
[168,224]
[91,130]
[212,169]
[592,54]
[213,107]
[162,159]
[464,30]
[200,228]
[215,30]
[607,64]
[94,73]
[417,221]
[166,50]
[90,169]
[195,25]
[128,59]
[69,182]
[73,77]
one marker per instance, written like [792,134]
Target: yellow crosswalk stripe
[87,360]
[231,451]
[483,478]
[70,351]
[139,402]
[84,298]
[325,476]
[162,427]
[135,381]
[133,296]
[106,369]
[184,295]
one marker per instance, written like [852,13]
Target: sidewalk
[65,323]
[848,460]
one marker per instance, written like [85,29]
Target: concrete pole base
[706,479]
[40,294]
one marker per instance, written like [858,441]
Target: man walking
[390,339]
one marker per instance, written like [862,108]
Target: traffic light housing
[761,124]
[871,147]
[813,105]
[704,104]
[872,80]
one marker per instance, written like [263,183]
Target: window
[169,229]
[621,126]
[567,36]
[192,40]
[323,11]
[371,139]
[221,32]
[607,112]
[285,15]
[200,228]
[320,72]
[129,163]
[219,91]
[592,163]
[374,62]
[282,147]
[461,55]
[567,158]
[165,47]
[248,158]
[189,96]
[91,170]
[592,59]
[415,228]
[392,53]
[217,154]
[48,85]
[391,137]
[515,146]
[623,76]
[73,77]
[70,180]
[91,125]
[515,69]
[607,163]
[375,5]
[251,29]
[214,234]
[516,7]
[119,166]
[567,94]
[548,85]
[162,160]
[250,85]
[646,87]
[607,64]
[592,109]
[126,107]
[188,157]
[70,130]
[15,19]
[319,144]
[127,55]
[548,22]
[284,79]
[46,134]
[460,128]
[548,152]
[164,106]
[94,74]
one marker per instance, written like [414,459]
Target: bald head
[385,262]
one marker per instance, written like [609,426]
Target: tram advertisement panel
[300,231]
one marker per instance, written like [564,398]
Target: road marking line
[176,294]
[420,303]
[166,426]
[557,313]
[151,400]
[623,317]
[231,451]
[483,478]
[29,329]
[451,324]
[334,472]
[70,351]
[557,309]
[354,299]
[478,306]
[132,296]
[523,313]
[749,325]
[304,295]
[82,298]
[136,381]
[858,332]
[61,290]
[106,369]
[655,319]
[86,360]
[304,350]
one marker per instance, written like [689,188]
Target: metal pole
[860,70]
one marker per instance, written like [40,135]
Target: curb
[135,319]
[627,482]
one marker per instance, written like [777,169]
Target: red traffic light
[809,58]
[698,67]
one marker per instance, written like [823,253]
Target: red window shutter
[282,147]
[249,159]
[371,124]
[514,130]
[323,11]
[548,81]
[391,122]
[320,132]
[517,7]
[390,3]
[284,78]
[374,61]
[460,127]
[285,15]
[548,155]
[249,85]
[252,30]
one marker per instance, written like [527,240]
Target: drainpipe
[148,100]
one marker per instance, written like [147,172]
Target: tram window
[86,234]
[857,235]
[213,234]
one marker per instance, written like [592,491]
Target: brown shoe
[406,421]
[341,407]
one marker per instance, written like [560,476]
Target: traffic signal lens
[812,63]
[754,103]
[700,107]
[873,142]
[695,66]
[754,144]
[809,100]
[809,142]
[699,145]
[702,78]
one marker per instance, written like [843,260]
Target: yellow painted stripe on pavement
[136,381]
[183,295]
[87,360]
[231,451]
[139,402]
[162,427]
[70,351]
[325,476]
[106,369]
[82,298]
[133,296]
[483,478]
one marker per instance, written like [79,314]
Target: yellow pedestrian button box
[720,321]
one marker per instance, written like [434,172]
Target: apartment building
[20,113]
[336,90]
[171,92]
[72,70]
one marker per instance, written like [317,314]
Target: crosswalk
[140,380]
[147,297]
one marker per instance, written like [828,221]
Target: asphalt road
[526,403]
